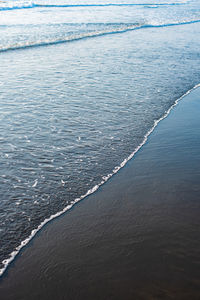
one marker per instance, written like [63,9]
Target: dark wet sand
[138,237]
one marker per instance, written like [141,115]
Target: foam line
[172,24]
[13,255]
[110,4]
[90,35]
[68,38]
[35,5]
[2,8]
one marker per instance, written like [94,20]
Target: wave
[34,5]
[13,255]
[109,4]
[91,34]
[3,8]
[74,37]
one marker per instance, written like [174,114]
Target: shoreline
[153,192]
[34,232]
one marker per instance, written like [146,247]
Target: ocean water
[82,84]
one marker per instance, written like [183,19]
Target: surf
[91,34]
[37,5]
[17,250]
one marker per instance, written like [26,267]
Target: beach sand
[137,237]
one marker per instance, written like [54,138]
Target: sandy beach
[137,237]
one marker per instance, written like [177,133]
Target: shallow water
[74,110]
[136,238]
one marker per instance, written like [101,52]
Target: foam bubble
[35,183]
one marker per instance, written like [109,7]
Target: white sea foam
[12,255]
[91,34]
[71,38]
[16,5]
[35,183]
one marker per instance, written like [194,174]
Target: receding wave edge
[13,255]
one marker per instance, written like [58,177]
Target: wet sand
[137,237]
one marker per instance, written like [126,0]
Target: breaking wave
[91,34]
